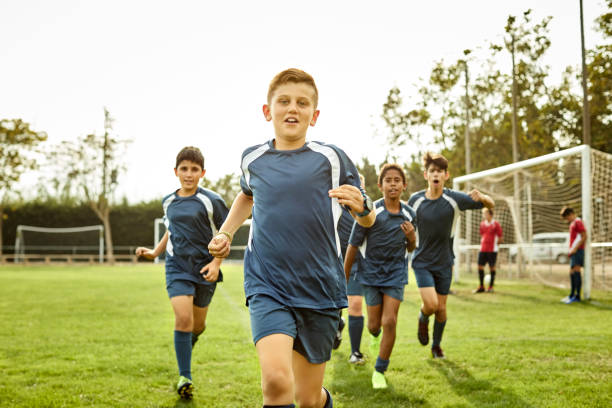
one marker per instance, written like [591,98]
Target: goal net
[528,197]
[31,240]
[239,243]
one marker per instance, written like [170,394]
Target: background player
[293,276]
[383,270]
[437,210]
[491,236]
[192,215]
[578,236]
[354,291]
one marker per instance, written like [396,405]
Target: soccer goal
[528,196]
[42,240]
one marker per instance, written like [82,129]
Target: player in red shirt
[491,235]
[578,236]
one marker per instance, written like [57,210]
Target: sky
[179,73]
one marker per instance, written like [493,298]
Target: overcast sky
[177,73]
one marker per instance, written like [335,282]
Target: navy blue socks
[182,347]
[355,329]
[578,285]
[437,332]
[381,365]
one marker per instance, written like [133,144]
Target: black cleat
[437,352]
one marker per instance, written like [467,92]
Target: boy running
[192,216]
[437,210]
[491,236]
[293,276]
[578,236]
[383,270]
[354,290]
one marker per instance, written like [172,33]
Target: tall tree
[17,143]
[227,187]
[90,168]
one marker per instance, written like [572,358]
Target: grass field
[102,337]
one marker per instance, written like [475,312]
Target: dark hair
[436,159]
[390,166]
[565,211]
[192,154]
[296,76]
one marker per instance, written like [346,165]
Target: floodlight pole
[586,115]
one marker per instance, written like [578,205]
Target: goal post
[20,243]
[528,196]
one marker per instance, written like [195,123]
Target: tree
[17,143]
[90,168]
[227,187]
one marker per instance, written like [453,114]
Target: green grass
[102,337]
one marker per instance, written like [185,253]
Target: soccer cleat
[379,382]
[566,299]
[356,358]
[573,299]
[423,333]
[490,289]
[480,289]
[375,343]
[338,338]
[437,352]
[184,387]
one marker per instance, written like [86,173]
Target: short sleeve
[244,186]
[464,201]
[358,234]
[580,227]
[220,212]
[348,171]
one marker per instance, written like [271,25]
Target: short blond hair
[296,76]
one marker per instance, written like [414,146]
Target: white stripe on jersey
[165,205]
[364,245]
[453,203]
[250,158]
[334,162]
[209,209]
[407,214]
[415,208]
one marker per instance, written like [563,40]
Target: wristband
[227,234]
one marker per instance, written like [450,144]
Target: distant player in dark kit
[491,236]
[192,216]
[578,237]
[354,290]
[383,269]
[293,275]
[437,210]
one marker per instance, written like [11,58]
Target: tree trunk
[103,212]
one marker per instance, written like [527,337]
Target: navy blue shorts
[487,258]
[374,294]
[354,288]
[441,280]
[577,259]
[313,330]
[202,294]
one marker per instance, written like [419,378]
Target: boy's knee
[183,322]
[276,382]
[198,328]
[389,322]
[430,306]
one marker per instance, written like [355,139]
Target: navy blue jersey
[436,220]
[345,226]
[383,247]
[294,253]
[191,223]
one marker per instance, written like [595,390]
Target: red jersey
[576,228]
[490,233]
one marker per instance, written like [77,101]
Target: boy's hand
[210,272]
[476,195]
[145,252]
[408,229]
[349,196]
[219,246]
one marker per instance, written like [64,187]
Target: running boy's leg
[309,390]
[199,322]
[275,358]
[183,326]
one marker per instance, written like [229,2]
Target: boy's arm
[349,258]
[153,253]
[351,197]
[210,271]
[579,242]
[410,234]
[219,246]
[483,198]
